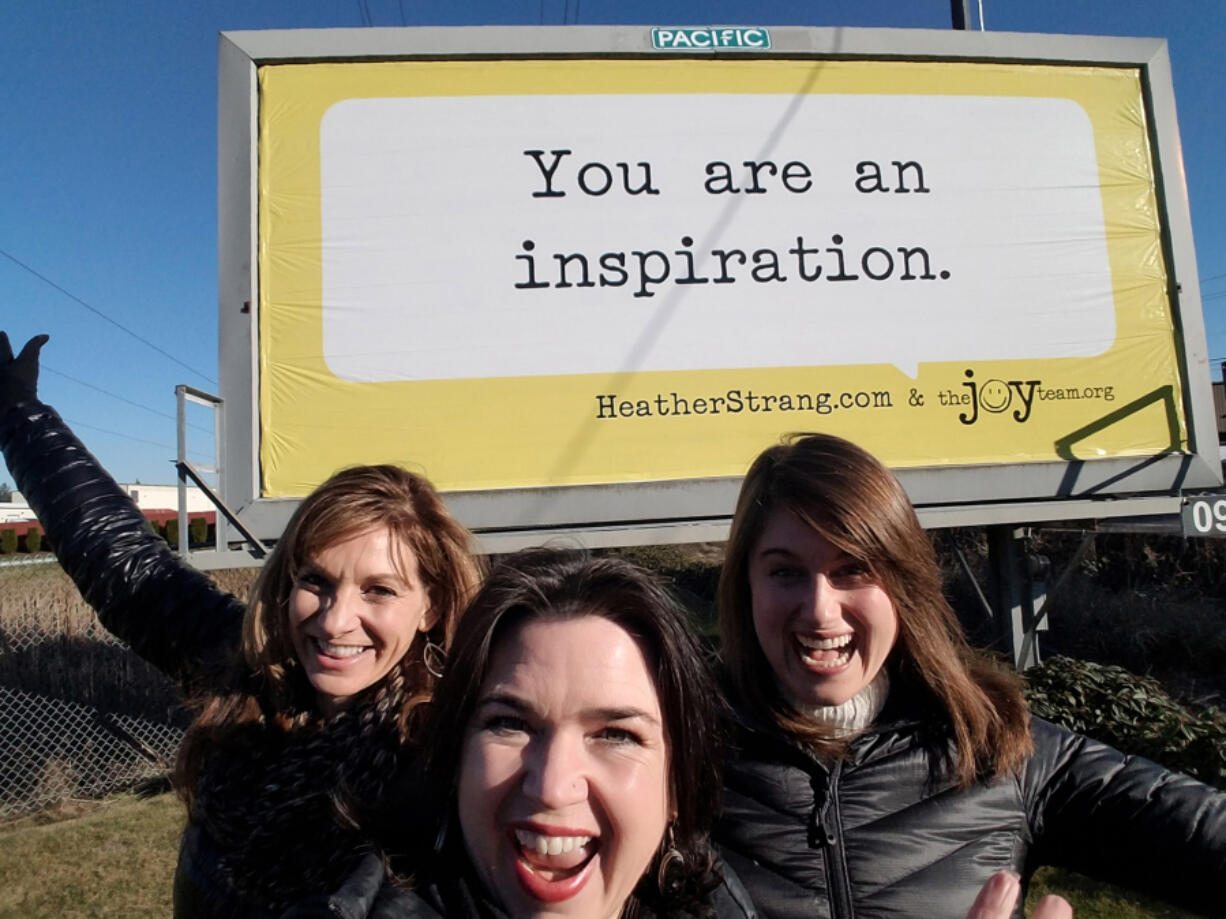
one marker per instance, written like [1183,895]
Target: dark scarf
[283,808]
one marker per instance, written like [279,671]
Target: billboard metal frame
[699,509]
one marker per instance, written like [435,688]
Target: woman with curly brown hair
[881,766]
[308,700]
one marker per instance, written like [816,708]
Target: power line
[147,408]
[140,440]
[97,312]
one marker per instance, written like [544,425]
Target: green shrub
[1131,713]
[198,531]
[34,539]
[172,532]
[8,542]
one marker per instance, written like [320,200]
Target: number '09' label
[1205,517]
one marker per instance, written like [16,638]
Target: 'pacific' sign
[726,38]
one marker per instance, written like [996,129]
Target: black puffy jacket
[875,835]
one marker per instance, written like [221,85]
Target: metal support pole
[1013,595]
[181,430]
[183,395]
[960,13]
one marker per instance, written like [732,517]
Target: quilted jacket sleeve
[169,613]
[1126,820]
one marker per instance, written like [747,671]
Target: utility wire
[147,408]
[97,312]
[140,440]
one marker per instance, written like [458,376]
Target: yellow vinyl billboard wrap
[516,273]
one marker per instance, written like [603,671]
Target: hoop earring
[440,838]
[671,862]
[434,657]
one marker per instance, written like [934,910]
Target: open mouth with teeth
[552,867]
[337,654]
[825,653]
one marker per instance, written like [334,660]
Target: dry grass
[42,598]
[116,858]
[106,859]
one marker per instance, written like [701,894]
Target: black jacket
[454,894]
[169,613]
[876,835]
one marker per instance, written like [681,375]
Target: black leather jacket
[169,613]
[875,835]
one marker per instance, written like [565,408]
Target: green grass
[111,859]
[1094,900]
[115,859]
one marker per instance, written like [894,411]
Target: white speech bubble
[426,205]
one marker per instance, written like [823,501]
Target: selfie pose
[571,755]
[306,701]
[879,766]
[572,758]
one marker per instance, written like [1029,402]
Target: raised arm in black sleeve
[169,613]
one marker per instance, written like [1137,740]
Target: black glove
[19,375]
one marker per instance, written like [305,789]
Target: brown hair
[268,682]
[853,501]
[557,584]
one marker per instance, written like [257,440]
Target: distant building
[147,498]
[166,497]
[15,510]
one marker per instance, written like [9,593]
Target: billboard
[626,269]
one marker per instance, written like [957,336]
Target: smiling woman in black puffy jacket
[882,767]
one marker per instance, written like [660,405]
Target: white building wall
[15,510]
[166,497]
[147,497]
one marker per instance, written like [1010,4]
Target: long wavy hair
[847,496]
[555,584]
[267,685]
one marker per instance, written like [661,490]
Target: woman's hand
[997,896]
[19,375]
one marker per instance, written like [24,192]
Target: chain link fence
[80,714]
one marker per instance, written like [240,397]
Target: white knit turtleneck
[858,712]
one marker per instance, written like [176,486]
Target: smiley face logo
[994,396]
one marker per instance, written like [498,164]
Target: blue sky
[108,171]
